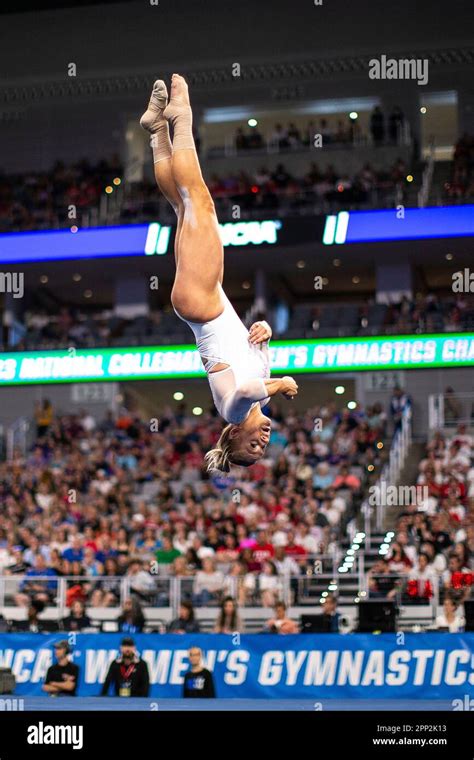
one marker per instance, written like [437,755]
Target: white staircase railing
[449,410]
[424,191]
[390,473]
[17,437]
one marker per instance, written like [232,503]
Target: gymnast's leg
[196,292]
[155,123]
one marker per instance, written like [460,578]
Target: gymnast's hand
[288,387]
[260,332]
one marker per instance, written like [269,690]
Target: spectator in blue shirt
[40,590]
[400,401]
[322,477]
[34,548]
[105,551]
[75,553]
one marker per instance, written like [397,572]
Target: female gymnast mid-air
[236,359]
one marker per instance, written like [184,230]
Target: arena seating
[96,327]
[136,490]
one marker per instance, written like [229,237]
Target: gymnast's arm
[237,401]
[260,334]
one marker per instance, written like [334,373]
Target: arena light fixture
[117,181]
[410,178]
[197,410]
[252,122]
[77,277]
[339,389]
[44,279]
[352,405]
[178,396]
[353,115]
[423,109]
[109,189]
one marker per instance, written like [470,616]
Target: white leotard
[225,340]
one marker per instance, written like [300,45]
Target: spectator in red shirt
[293,549]
[262,550]
[453,488]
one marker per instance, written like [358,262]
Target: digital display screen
[311,356]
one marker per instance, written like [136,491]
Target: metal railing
[272,145]
[166,590]
[18,437]
[450,410]
[169,591]
[424,191]
[390,472]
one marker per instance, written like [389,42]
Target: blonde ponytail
[219,457]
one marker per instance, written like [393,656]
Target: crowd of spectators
[60,197]
[425,314]
[432,552]
[383,129]
[111,500]
[460,185]
[281,191]
[43,200]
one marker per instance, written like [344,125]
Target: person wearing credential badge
[128,673]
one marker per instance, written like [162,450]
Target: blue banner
[305,666]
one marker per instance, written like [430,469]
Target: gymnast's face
[250,439]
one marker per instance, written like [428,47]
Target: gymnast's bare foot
[153,116]
[179,95]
